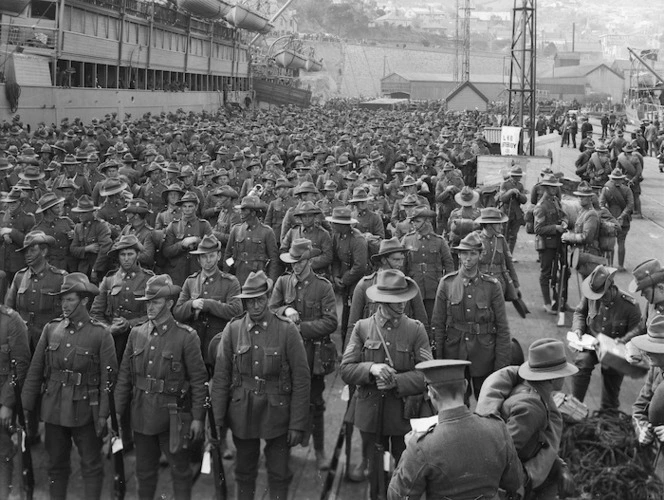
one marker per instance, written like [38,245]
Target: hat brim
[377,256]
[427,213]
[502,220]
[289,259]
[83,210]
[358,200]
[467,203]
[134,210]
[50,205]
[583,194]
[381,296]
[206,251]
[552,184]
[645,343]
[341,221]
[166,291]
[111,192]
[50,241]
[527,373]
[466,248]
[262,206]
[78,288]
[256,294]
[589,293]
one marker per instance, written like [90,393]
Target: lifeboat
[289,59]
[247,19]
[313,65]
[213,10]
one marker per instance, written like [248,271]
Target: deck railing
[28,36]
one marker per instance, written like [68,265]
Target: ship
[88,58]
[645,97]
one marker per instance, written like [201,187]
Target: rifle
[119,481]
[344,437]
[378,486]
[561,283]
[220,487]
[27,472]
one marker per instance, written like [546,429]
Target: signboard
[509,140]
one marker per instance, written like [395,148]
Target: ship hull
[52,104]
[636,112]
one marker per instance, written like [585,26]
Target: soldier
[171,195]
[469,319]
[261,370]
[369,223]
[92,240]
[329,201]
[380,360]
[183,235]
[14,345]
[306,191]
[306,214]
[110,169]
[462,220]
[277,209]
[522,397]
[308,301]
[447,187]
[468,438]
[162,377]
[632,166]
[207,301]
[69,371]
[113,190]
[596,171]
[391,255]
[349,258]
[512,195]
[496,259]
[151,191]
[429,257]
[14,225]
[649,282]
[604,309]
[550,223]
[60,228]
[619,199]
[585,236]
[136,212]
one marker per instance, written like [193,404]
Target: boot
[360,472]
[245,490]
[546,294]
[318,432]
[322,462]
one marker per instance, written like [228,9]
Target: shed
[434,86]
[595,78]
[466,96]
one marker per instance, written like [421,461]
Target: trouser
[7,452]
[148,450]
[58,447]
[636,191]
[474,386]
[547,280]
[573,137]
[652,148]
[512,227]
[394,444]
[622,236]
[611,380]
[277,454]
[565,139]
[317,411]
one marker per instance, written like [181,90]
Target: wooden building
[433,86]
[466,96]
[576,82]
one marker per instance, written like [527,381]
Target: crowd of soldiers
[161,254]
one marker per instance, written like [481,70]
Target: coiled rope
[607,462]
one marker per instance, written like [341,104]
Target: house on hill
[576,82]
[434,86]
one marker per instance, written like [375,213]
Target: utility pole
[456,45]
[523,84]
[465,71]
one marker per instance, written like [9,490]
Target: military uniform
[479,459]
[253,249]
[585,235]
[145,237]
[496,261]
[13,346]
[29,295]
[619,319]
[68,370]
[619,200]
[162,365]
[61,228]
[446,189]
[220,305]
[165,217]
[511,206]
[460,223]
[547,214]
[328,205]
[20,224]
[152,194]
[111,212]
[276,213]
[469,322]
[261,370]
[408,344]
[596,171]
[87,233]
[181,263]
[427,262]
[349,261]
[227,218]
[320,239]
[315,302]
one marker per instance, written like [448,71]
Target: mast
[638,58]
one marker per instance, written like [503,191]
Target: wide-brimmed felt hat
[647,274]
[598,282]
[375,174]
[111,187]
[125,242]
[343,161]
[616,174]
[13,196]
[84,204]
[329,186]
[359,195]
[627,148]
[330,161]
[516,172]
[341,215]
[208,244]
[282,182]
[467,197]
[307,208]
[300,249]
[491,215]
[70,160]
[222,171]
[252,203]
[411,161]
[227,191]
[305,187]
[448,167]
[157,287]
[31,173]
[409,180]
[256,285]
[392,286]
[108,164]
[137,206]
[76,282]
[128,158]
[584,189]
[421,211]
[172,168]
[601,148]
[153,167]
[443,371]
[653,340]
[49,200]
[410,200]
[173,188]
[470,243]
[189,197]
[36,238]
[186,171]
[67,184]
[399,167]
[546,361]
[550,180]
[5,165]
[388,247]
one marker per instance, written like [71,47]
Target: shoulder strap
[390,361]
